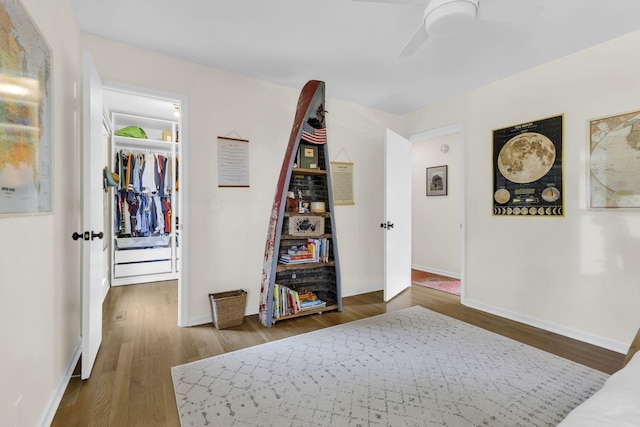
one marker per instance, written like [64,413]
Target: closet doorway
[145,199]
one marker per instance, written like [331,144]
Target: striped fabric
[313,135]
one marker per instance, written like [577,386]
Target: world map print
[615,155]
[25,113]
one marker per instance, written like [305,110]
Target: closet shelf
[142,144]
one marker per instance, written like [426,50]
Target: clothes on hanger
[142,205]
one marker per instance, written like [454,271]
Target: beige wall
[227,227]
[576,275]
[39,270]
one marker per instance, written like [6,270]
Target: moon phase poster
[527,169]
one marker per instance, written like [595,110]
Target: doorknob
[388,225]
[83,236]
[86,235]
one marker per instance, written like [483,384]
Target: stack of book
[288,301]
[314,250]
[309,300]
[297,255]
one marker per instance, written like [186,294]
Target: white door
[397,214]
[92,216]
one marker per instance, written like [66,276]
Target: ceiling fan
[444,18]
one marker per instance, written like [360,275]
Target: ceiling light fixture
[444,18]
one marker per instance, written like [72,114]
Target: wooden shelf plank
[324,214]
[291,237]
[303,265]
[306,312]
[308,171]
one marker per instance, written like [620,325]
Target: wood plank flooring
[131,381]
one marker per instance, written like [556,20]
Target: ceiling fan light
[444,18]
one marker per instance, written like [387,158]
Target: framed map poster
[527,169]
[614,150]
[25,114]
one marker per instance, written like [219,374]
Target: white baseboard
[436,271]
[361,291]
[50,411]
[551,327]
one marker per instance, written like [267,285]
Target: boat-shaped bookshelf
[301,271]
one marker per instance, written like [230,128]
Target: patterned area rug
[412,367]
[435,281]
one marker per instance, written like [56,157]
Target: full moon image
[526,157]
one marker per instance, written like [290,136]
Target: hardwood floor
[131,381]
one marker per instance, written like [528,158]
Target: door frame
[446,130]
[183,272]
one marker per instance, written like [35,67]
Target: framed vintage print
[233,162]
[614,148]
[437,181]
[527,169]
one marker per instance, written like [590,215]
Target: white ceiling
[353,45]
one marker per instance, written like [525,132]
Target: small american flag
[313,135]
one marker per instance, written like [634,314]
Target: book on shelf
[287,301]
[314,250]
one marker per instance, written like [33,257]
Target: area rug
[412,367]
[435,281]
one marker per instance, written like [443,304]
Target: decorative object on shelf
[614,148]
[527,168]
[318,207]
[305,225]
[314,266]
[437,181]
[25,118]
[233,162]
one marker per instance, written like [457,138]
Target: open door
[397,212]
[92,216]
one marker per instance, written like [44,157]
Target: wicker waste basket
[227,308]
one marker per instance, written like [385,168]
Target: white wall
[576,275]
[436,234]
[39,269]
[228,226]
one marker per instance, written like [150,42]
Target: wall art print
[437,181]
[527,169]
[25,113]
[614,150]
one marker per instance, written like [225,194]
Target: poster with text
[527,169]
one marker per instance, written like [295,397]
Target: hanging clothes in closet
[143,200]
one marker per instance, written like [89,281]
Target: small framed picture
[437,181]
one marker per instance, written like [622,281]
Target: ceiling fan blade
[516,12]
[418,37]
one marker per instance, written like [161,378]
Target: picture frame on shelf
[437,180]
